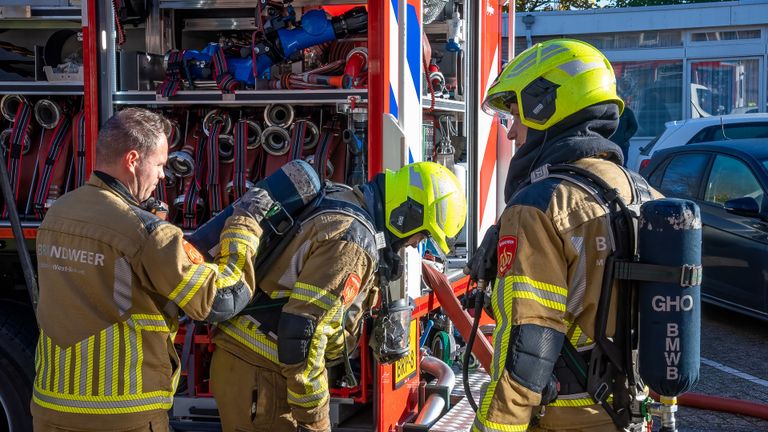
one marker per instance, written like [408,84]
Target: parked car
[729,181]
[703,129]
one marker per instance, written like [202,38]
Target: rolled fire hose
[280,115]
[276,140]
[47,113]
[5,141]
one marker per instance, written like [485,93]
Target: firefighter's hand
[255,203]
[482,265]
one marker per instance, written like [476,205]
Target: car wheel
[18,332]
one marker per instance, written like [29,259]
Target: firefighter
[268,372]
[554,237]
[113,277]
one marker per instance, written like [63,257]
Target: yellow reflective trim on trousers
[484,425]
[580,402]
[279,294]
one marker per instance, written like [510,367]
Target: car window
[732,131]
[731,178]
[646,149]
[682,175]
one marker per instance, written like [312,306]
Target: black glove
[482,265]
[550,391]
[255,203]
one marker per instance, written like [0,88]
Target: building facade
[671,62]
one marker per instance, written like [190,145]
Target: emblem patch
[351,288]
[507,249]
[192,253]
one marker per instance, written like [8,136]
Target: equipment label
[405,368]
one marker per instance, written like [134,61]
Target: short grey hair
[129,129]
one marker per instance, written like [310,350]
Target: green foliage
[548,5]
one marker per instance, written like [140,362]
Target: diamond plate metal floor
[461,416]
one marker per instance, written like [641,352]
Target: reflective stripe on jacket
[112,278]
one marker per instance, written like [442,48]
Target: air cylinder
[669,235]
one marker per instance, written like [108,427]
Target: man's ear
[131,160]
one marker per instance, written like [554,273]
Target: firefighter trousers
[156,423]
[249,398]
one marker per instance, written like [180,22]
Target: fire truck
[369,86]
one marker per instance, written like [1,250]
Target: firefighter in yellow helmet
[113,280]
[553,241]
[269,369]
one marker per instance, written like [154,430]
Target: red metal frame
[378,90]
[90,82]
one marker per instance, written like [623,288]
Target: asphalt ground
[734,364]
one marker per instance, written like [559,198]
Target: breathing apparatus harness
[390,337]
[610,370]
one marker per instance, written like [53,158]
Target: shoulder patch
[507,250]
[536,195]
[351,288]
[192,253]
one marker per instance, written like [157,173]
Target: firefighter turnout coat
[554,239]
[327,276]
[112,277]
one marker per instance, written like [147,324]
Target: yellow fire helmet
[551,81]
[424,197]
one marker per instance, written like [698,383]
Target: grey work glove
[255,203]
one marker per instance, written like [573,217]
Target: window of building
[653,90]
[724,87]
[725,35]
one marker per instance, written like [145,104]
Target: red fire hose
[717,403]
[460,318]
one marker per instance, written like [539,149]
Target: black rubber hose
[18,233]
[479,299]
